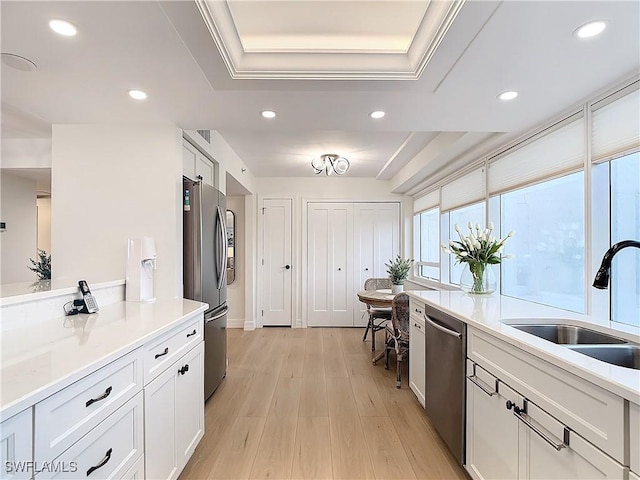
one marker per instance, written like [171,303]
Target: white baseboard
[235,322]
[249,325]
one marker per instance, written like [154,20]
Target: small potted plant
[398,270]
[42,267]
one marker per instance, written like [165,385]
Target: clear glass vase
[478,278]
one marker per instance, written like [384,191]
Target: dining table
[377,298]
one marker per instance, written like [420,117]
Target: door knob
[287,267]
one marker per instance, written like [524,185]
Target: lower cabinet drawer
[107,451]
[64,417]
[554,452]
[170,347]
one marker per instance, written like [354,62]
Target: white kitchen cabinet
[174,415]
[596,414]
[376,236]
[16,442]
[136,472]
[195,164]
[492,430]
[634,437]
[347,243]
[546,447]
[417,357]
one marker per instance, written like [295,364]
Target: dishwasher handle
[446,330]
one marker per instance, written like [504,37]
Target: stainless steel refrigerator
[204,272]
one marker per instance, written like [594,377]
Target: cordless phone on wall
[89,304]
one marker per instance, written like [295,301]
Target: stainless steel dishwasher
[446,346]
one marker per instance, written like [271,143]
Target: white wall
[110,183]
[18,242]
[44,224]
[26,153]
[236,291]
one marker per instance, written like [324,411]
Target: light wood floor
[308,403]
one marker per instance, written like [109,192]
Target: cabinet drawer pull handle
[482,385]
[166,350]
[104,461]
[184,369]
[106,393]
[192,333]
[520,412]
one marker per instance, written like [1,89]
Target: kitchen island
[534,408]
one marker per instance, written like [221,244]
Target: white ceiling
[167,49]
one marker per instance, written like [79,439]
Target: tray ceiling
[319,39]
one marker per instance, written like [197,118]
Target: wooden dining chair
[397,334]
[378,316]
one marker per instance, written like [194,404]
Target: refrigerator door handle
[198,248]
[219,315]
[222,271]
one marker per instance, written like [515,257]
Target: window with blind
[426,244]
[549,244]
[462,216]
[538,188]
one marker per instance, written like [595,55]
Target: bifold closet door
[376,236]
[330,264]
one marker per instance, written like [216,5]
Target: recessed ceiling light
[63,27]
[268,113]
[590,29]
[18,62]
[508,95]
[137,94]
[377,114]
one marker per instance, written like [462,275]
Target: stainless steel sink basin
[622,355]
[569,334]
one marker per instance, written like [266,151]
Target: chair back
[400,314]
[377,283]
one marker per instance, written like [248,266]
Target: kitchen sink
[622,355]
[569,335]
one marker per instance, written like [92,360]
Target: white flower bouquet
[479,249]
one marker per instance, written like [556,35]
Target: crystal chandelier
[329,163]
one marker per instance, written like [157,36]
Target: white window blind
[463,191]
[616,126]
[426,202]
[559,151]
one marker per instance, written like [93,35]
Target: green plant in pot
[42,267]
[398,270]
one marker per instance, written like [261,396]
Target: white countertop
[493,313]
[36,361]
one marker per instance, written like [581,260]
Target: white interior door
[330,264]
[376,241]
[386,236]
[276,263]
[364,266]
